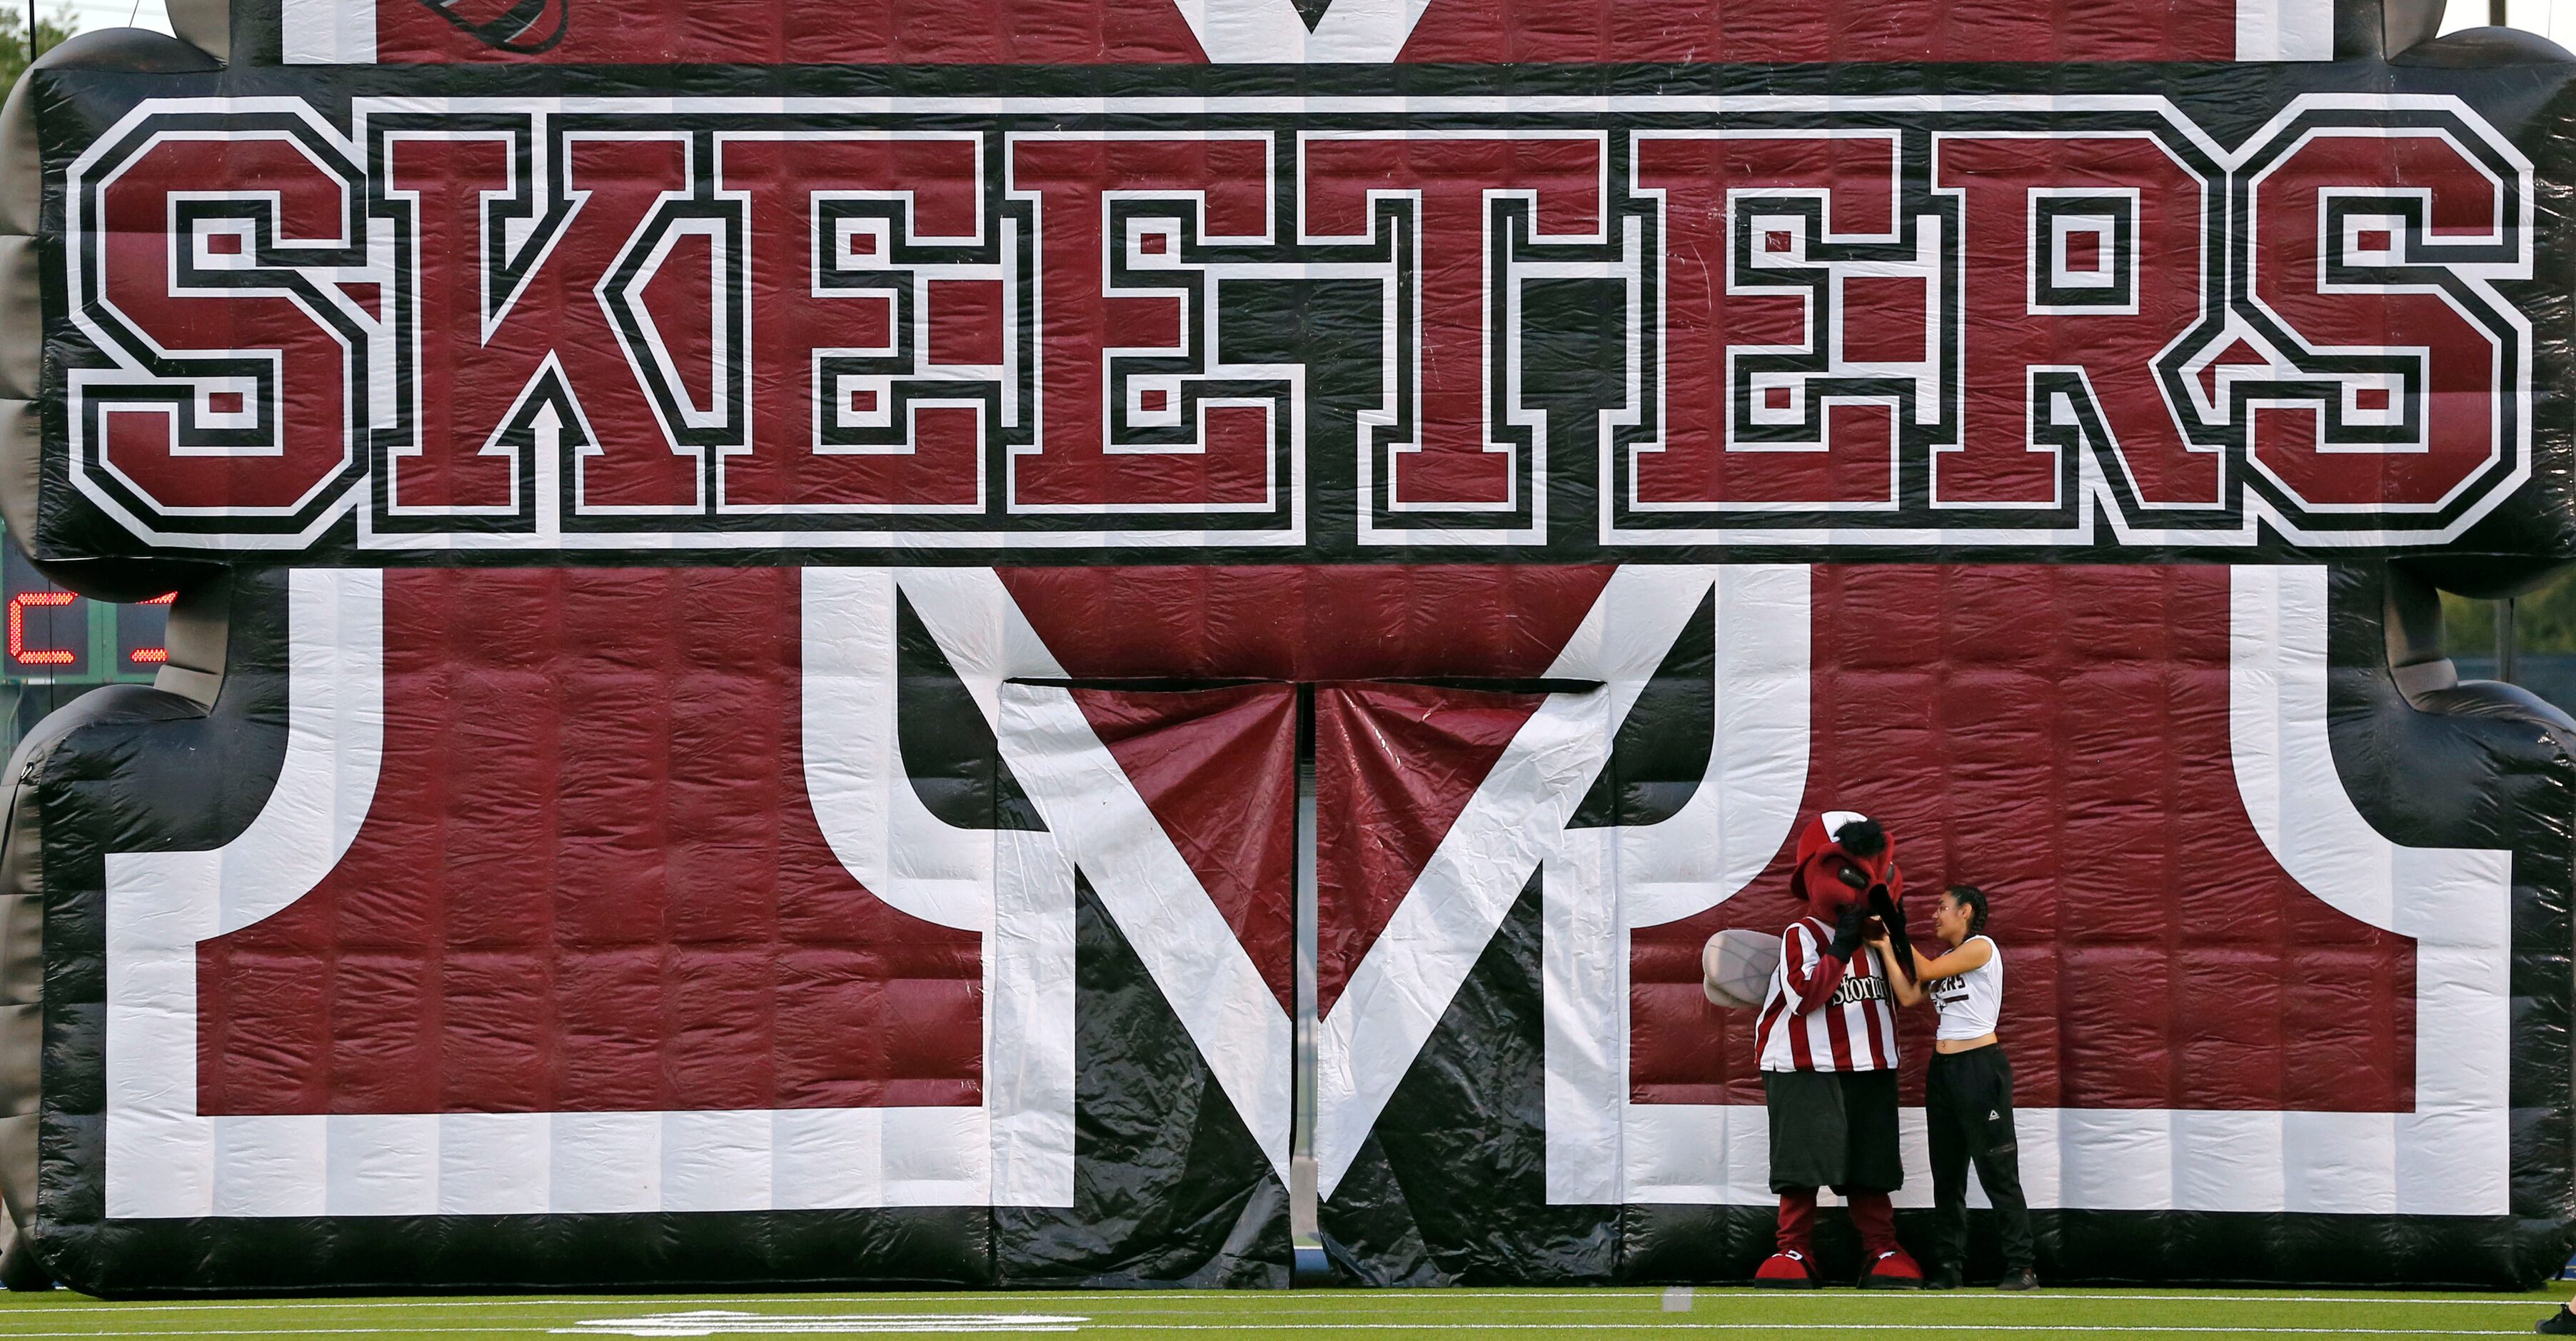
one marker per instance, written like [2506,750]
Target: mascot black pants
[1833,1129]
[1967,1102]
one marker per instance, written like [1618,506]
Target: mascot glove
[1848,929]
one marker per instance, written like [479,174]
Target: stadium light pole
[1308,1263]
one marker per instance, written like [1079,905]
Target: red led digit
[152,656]
[148,655]
[19,653]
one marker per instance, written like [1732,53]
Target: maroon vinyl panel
[591,880]
[1394,764]
[2058,736]
[1218,767]
[1086,32]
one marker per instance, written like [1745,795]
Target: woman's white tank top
[1971,1002]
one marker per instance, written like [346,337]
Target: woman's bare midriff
[1948,1045]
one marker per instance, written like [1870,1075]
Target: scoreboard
[61,645]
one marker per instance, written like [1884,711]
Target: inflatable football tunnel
[1038,642]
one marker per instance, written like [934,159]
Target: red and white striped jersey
[1852,1029]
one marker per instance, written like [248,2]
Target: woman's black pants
[1968,1105]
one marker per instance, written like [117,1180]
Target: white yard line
[1804,1327]
[729,1322]
[1428,1327]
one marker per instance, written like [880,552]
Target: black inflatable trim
[948,749]
[54,749]
[2484,49]
[1660,754]
[21,370]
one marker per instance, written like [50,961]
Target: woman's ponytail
[1974,900]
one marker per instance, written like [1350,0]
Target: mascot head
[1842,855]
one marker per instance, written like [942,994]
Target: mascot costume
[1827,1035]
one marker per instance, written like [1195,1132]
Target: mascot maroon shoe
[1894,1269]
[1788,1269]
[1827,1040]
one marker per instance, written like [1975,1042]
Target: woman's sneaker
[2019,1278]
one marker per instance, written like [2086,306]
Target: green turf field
[1375,1314]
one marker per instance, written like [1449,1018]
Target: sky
[109,13]
[2553,19]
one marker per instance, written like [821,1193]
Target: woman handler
[1967,1102]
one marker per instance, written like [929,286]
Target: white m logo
[1515,824]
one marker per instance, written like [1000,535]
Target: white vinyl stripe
[1112,836]
[161,1158]
[2451,1155]
[1602,882]
[327,32]
[2285,30]
[1402,986]
[862,795]
[1352,32]
[2102,1159]
[1017,886]
[1511,826]
[586,1163]
[1747,803]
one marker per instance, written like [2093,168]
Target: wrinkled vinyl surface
[796,585]
[859,924]
[1638,314]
